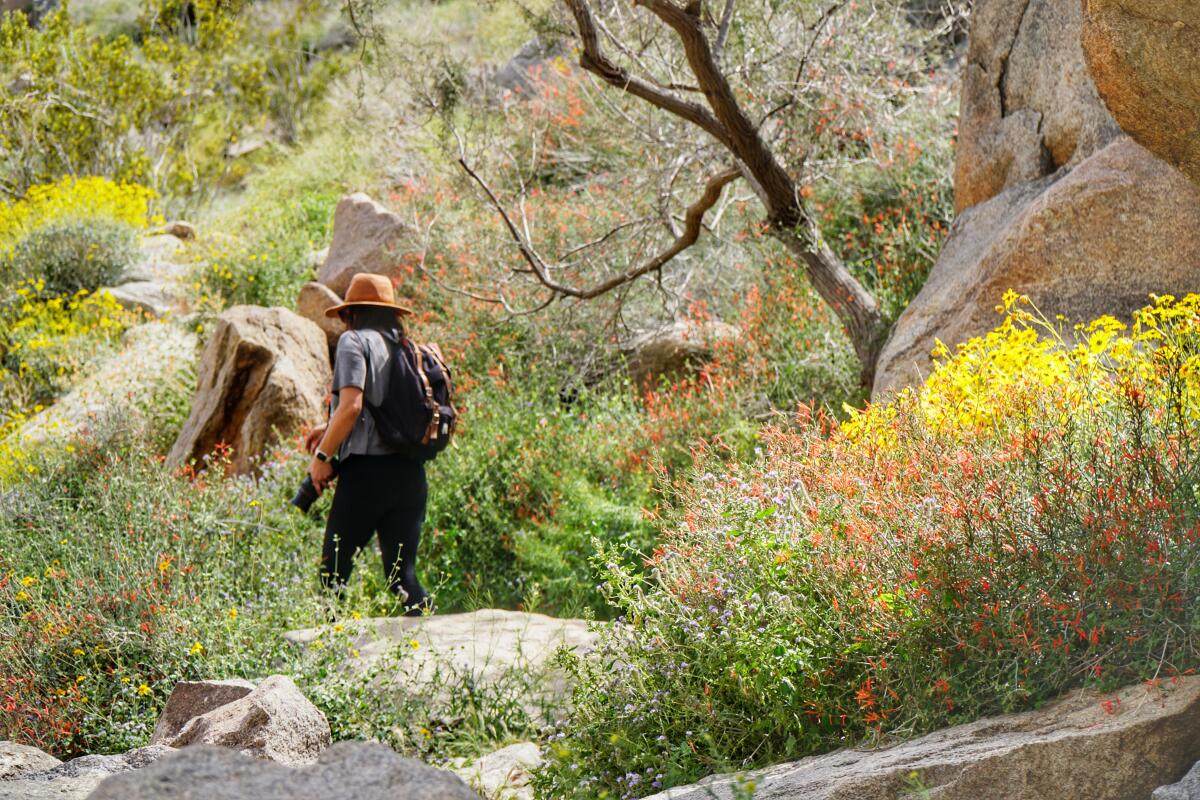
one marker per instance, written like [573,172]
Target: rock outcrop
[366,238]
[1028,104]
[191,699]
[1145,61]
[675,348]
[274,722]
[345,770]
[1095,240]
[263,374]
[484,647]
[1186,789]
[75,779]
[1079,747]
[314,300]
[20,759]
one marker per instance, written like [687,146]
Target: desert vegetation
[777,564]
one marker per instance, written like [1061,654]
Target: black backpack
[416,416]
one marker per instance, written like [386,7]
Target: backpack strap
[431,432]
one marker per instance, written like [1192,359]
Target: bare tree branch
[594,61]
[723,30]
[693,225]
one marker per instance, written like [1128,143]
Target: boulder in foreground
[75,779]
[351,770]
[1145,61]
[274,721]
[1186,789]
[20,759]
[262,375]
[1072,749]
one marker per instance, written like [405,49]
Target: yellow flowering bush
[71,197]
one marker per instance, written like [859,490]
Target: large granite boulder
[20,759]
[274,722]
[1186,789]
[263,374]
[1099,747]
[366,238]
[1095,240]
[1028,103]
[75,779]
[486,648]
[1145,60]
[191,699]
[351,770]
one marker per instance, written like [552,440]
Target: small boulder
[191,699]
[356,770]
[1078,747]
[1145,61]
[180,229]
[504,774]
[315,298]
[149,298]
[1186,789]
[522,71]
[75,779]
[19,759]
[274,721]
[262,375]
[675,348]
[366,238]
[1092,241]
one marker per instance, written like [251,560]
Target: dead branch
[693,225]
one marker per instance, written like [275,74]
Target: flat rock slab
[1073,749]
[350,770]
[487,645]
[75,779]
[20,759]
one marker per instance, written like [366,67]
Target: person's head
[358,318]
[370,303]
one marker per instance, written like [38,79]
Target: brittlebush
[1026,521]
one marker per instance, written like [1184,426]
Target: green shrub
[74,255]
[1025,522]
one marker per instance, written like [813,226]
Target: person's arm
[350,405]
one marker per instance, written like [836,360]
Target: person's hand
[313,438]
[321,473]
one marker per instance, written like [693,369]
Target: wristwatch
[323,456]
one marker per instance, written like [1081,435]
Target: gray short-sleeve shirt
[363,360]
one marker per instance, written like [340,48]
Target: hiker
[381,486]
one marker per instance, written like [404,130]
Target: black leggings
[377,493]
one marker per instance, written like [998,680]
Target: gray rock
[180,229]
[1095,240]
[519,72]
[75,779]
[504,774]
[19,759]
[1186,789]
[352,770]
[263,375]
[274,721]
[1073,749]
[1028,103]
[366,238]
[675,348]
[191,699]
[153,299]
[487,647]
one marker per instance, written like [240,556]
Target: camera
[307,494]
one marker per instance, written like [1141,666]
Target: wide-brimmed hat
[369,290]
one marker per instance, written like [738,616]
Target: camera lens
[306,495]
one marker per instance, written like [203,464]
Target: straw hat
[369,290]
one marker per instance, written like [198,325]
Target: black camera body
[307,494]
